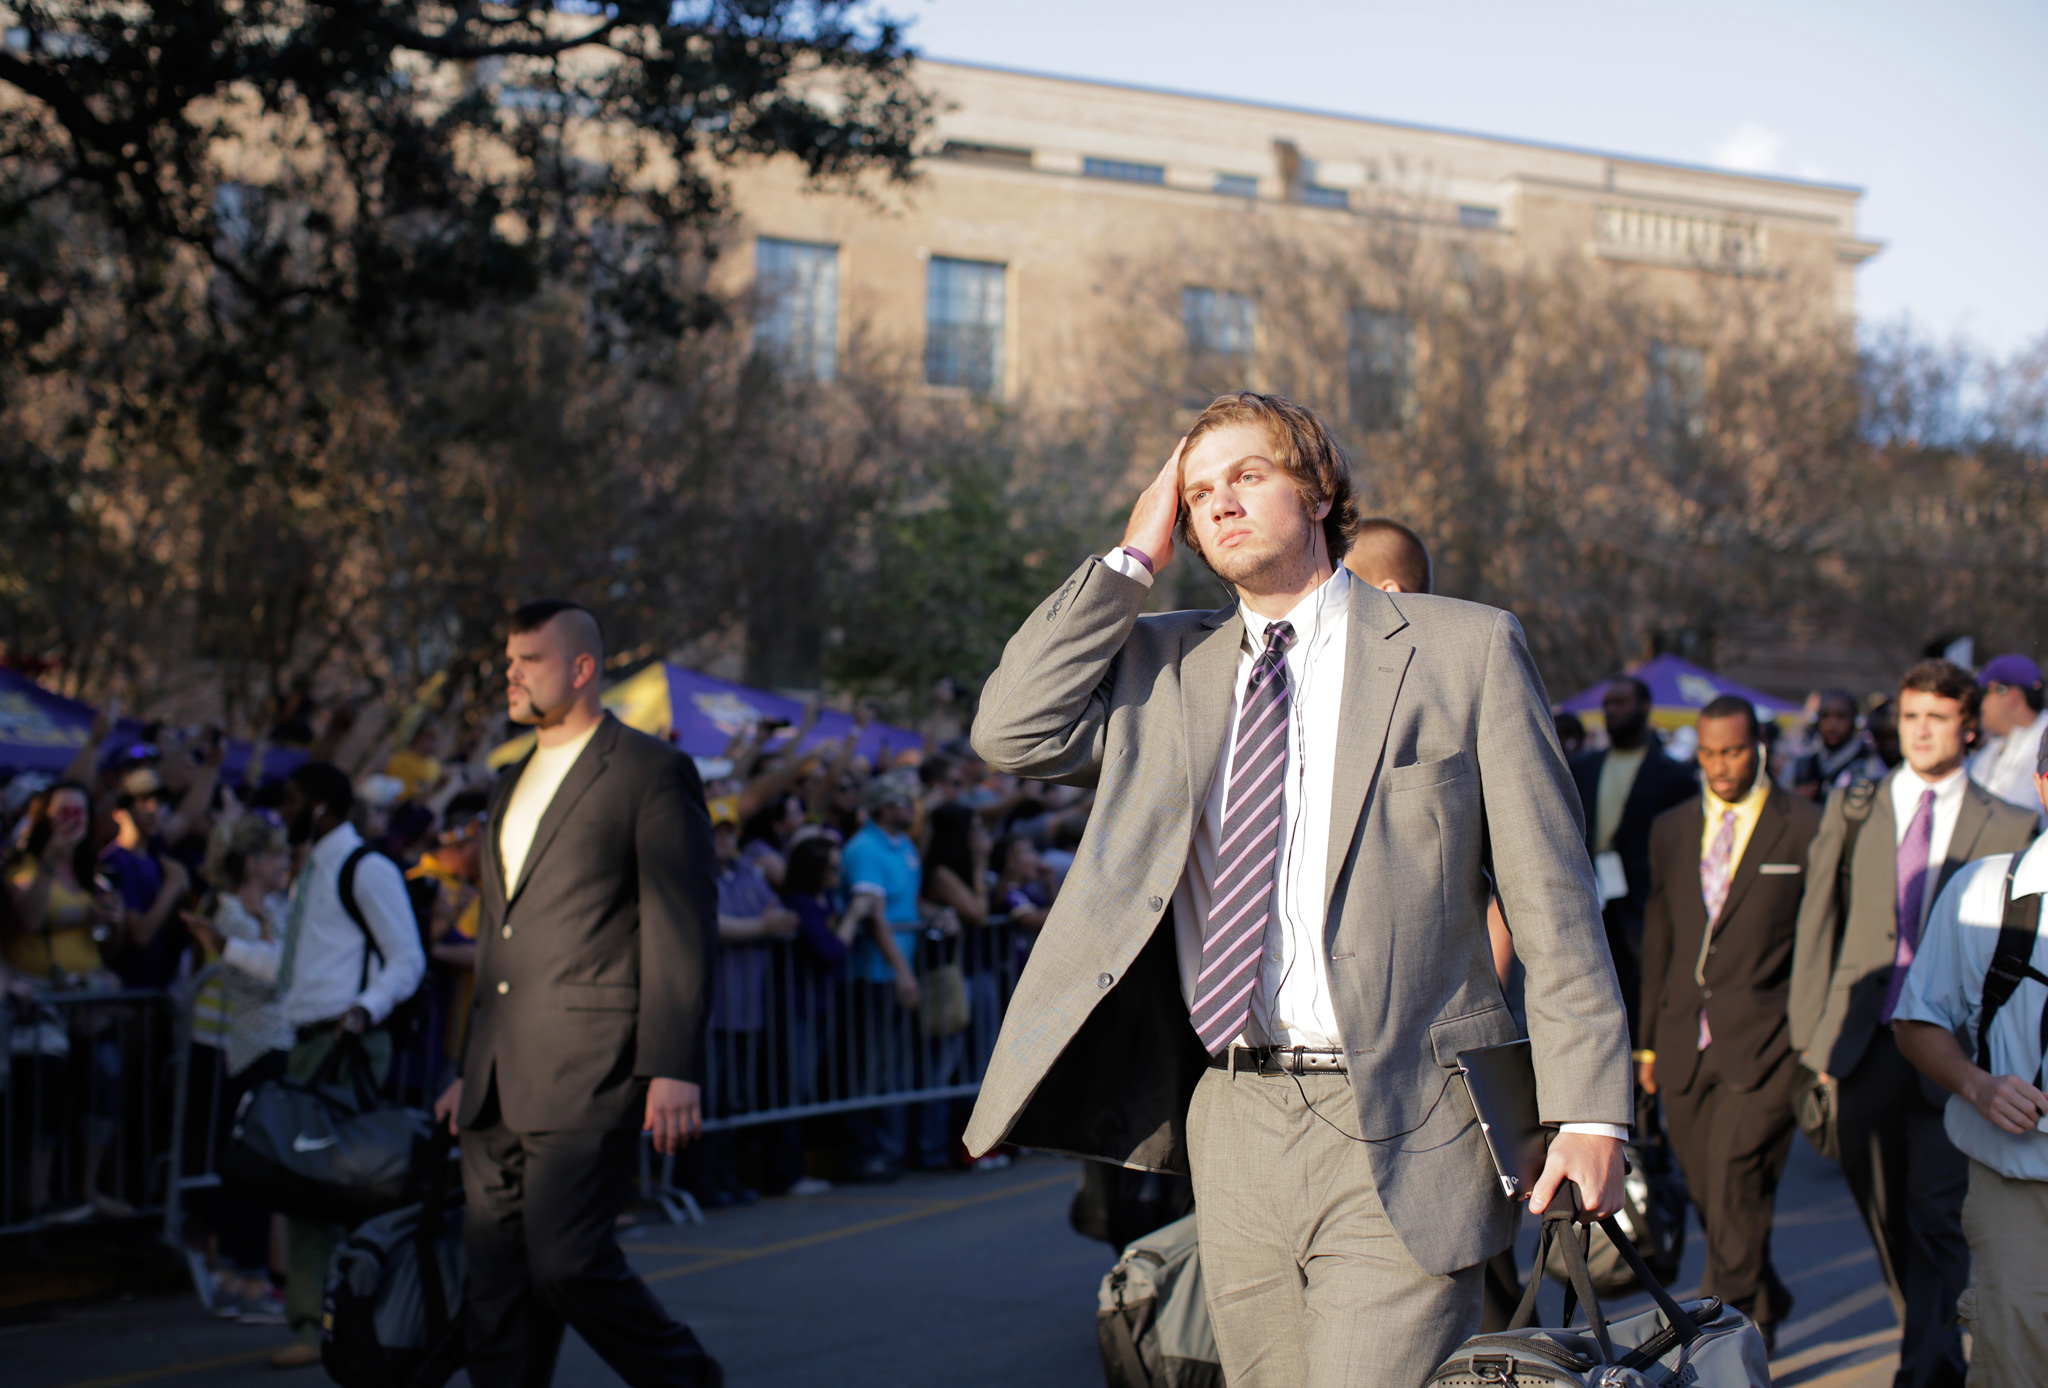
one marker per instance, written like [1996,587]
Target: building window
[1123,169]
[1677,399]
[1377,365]
[797,314]
[1011,156]
[1479,218]
[1237,185]
[1315,195]
[963,343]
[1222,331]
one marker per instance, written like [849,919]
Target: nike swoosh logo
[302,1143]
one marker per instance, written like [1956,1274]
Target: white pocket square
[1780,869]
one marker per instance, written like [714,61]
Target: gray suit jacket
[1450,780]
[593,972]
[1840,970]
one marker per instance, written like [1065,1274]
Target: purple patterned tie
[1914,851]
[1717,870]
[1242,899]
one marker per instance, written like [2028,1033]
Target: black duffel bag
[393,1310]
[329,1149]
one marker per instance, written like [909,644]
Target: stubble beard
[1270,566]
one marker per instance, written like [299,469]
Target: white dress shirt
[545,771]
[2005,765]
[1906,789]
[328,960]
[1945,987]
[1293,1005]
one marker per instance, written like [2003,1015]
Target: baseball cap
[725,811]
[140,783]
[892,789]
[2015,670]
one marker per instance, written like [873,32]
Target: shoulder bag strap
[2011,962]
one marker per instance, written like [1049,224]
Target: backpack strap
[2011,963]
[346,887]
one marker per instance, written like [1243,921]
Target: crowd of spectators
[860,904]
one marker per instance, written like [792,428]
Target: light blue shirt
[885,865]
[1945,986]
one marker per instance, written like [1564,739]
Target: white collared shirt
[1293,1004]
[2005,765]
[1945,987]
[327,965]
[1906,789]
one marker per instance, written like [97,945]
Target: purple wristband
[1141,557]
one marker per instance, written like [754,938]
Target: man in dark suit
[1726,869]
[593,984]
[1621,790]
[1882,856]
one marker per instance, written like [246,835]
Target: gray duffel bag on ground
[1700,1344]
[1152,1324]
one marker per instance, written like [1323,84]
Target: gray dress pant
[1308,1284]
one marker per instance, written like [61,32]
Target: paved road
[936,1281]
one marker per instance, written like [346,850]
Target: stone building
[991,269]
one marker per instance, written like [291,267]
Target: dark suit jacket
[1660,784]
[593,973]
[1747,966]
[1841,967]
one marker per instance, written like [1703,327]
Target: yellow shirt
[1747,811]
[420,774]
[64,945]
[1617,777]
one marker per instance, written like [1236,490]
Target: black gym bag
[393,1313]
[329,1149]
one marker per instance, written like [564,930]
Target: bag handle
[1676,1316]
[349,1047]
[1579,1277]
[427,1229]
[1579,1283]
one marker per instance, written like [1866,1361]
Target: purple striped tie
[1242,898]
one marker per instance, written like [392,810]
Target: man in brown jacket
[1726,869]
[1882,856]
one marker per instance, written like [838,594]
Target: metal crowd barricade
[788,1042]
[85,1105]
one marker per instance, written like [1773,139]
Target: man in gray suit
[1272,944]
[593,987]
[1882,856]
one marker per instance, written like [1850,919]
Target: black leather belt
[1279,1060]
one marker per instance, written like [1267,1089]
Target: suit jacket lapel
[1640,788]
[1972,816]
[589,766]
[1374,667]
[1771,824]
[1208,682]
[501,796]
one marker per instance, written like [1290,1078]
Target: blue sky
[1939,111]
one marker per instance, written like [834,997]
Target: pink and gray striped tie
[1242,899]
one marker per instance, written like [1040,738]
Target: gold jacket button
[504,987]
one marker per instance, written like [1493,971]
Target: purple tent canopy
[41,731]
[1678,691]
[705,713]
